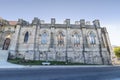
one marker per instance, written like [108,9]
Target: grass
[30,62]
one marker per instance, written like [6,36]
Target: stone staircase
[3,55]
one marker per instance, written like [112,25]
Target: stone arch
[60,38]
[75,31]
[26,37]
[44,37]
[60,31]
[30,32]
[91,37]
[7,41]
[76,38]
[44,31]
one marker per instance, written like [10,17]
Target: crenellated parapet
[35,21]
[82,23]
[53,21]
[96,23]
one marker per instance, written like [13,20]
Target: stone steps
[3,55]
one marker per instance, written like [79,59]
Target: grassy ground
[29,62]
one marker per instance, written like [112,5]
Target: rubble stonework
[80,42]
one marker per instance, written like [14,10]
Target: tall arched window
[26,37]
[6,44]
[60,39]
[44,38]
[92,38]
[76,39]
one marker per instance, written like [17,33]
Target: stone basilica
[81,42]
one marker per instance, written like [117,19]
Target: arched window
[76,39]
[44,38]
[92,38]
[60,39]
[26,37]
[6,44]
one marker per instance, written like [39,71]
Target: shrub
[117,51]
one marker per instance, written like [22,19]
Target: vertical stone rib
[100,49]
[18,38]
[82,27]
[51,40]
[83,44]
[35,22]
[97,26]
[107,40]
[35,42]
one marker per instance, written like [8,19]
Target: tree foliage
[117,51]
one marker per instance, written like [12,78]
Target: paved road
[79,73]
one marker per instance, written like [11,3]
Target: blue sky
[107,11]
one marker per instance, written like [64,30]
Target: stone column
[67,39]
[98,31]
[52,34]
[68,42]
[36,24]
[14,41]
[83,32]
[109,47]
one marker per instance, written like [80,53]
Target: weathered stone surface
[3,55]
[29,55]
[77,43]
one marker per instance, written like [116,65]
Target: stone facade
[80,42]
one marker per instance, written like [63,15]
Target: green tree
[117,51]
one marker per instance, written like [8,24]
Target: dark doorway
[6,44]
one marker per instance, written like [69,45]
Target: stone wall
[84,52]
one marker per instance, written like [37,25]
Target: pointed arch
[92,37]
[76,39]
[6,44]
[26,37]
[44,38]
[60,38]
